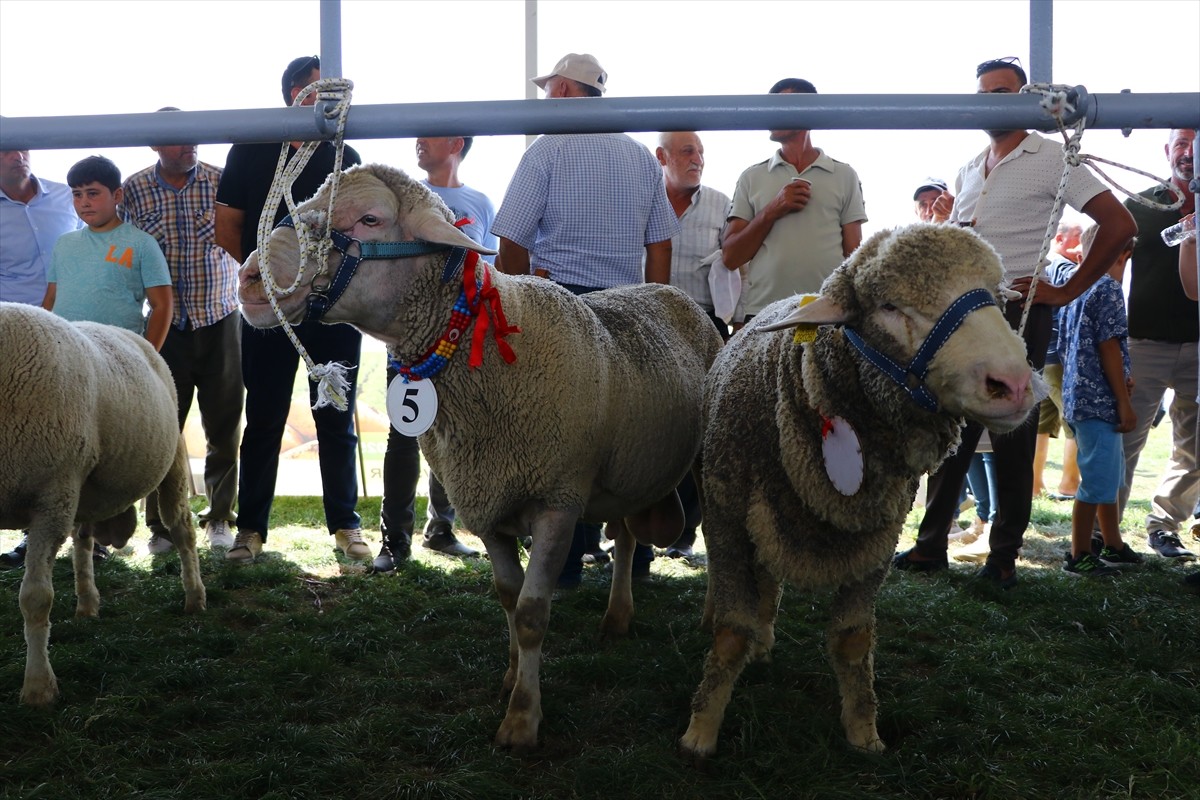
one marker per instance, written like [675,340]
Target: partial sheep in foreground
[598,416]
[88,427]
[787,497]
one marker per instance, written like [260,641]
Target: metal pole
[531,55]
[603,115]
[331,39]
[1041,41]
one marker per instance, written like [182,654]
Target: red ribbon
[826,426]
[486,307]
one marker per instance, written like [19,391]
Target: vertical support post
[531,56]
[1041,41]
[331,39]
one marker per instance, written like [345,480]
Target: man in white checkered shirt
[701,211]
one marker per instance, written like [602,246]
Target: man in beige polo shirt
[795,216]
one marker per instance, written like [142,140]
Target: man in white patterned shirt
[701,211]
[174,201]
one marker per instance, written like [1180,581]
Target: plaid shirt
[699,236]
[183,222]
[585,206]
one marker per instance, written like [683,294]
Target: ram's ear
[429,225]
[821,311]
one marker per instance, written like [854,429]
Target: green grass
[307,678]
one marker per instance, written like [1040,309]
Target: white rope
[333,385]
[1056,102]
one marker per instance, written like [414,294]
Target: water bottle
[1181,230]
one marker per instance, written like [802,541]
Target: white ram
[88,427]
[598,416]
[789,498]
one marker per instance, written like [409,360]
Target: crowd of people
[594,211]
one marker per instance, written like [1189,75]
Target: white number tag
[412,406]
[843,457]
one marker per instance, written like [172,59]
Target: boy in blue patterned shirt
[1093,344]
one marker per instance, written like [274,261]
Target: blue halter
[912,377]
[322,298]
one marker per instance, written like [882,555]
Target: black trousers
[1012,463]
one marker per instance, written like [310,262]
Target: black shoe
[16,557]
[1124,557]
[99,553]
[993,575]
[902,561]
[1089,566]
[391,556]
[445,542]
[1167,545]
[679,552]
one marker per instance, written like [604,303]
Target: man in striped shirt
[701,211]
[174,201]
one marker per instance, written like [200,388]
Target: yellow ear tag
[805,333]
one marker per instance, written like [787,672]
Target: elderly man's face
[178,158]
[925,201]
[682,159]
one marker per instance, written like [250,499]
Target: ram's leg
[176,515]
[45,537]
[851,647]
[735,595]
[508,578]
[87,596]
[620,595]
[552,531]
[770,591]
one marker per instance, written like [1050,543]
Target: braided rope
[1056,102]
[333,387]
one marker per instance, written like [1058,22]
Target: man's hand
[791,199]
[1047,293]
[942,207]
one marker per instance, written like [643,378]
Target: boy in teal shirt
[104,272]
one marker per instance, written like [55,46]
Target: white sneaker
[350,541]
[160,544]
[219,534]
[977,551]
[970,535]
[246,547]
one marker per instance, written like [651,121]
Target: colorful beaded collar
[477,300]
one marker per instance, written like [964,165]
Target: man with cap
[926,195]
[585,210]
[795,216]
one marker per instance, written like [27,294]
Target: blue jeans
[269,363]
[981,480]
